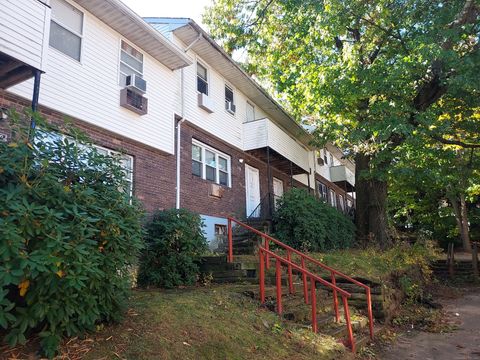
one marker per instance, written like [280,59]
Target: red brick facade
[154,172]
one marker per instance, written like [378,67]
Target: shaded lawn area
[215,322]
[378,265]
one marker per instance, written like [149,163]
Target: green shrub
[174,240]
[308,224]
[67,236]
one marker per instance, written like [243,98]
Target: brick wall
[154,172]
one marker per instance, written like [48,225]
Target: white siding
[89,90]
[220,123]
[264,132]
[24,30]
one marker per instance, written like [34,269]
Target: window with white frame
[202,79]
[66,28]
[210,164]
[229,100]
[325,157]
[322,190]
[250,114]
[131,62]
[126,161]
[333,198]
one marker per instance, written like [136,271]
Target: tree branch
[455,142]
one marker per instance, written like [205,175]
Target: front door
[277,190]
[252,190]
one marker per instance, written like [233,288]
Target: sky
[170,8]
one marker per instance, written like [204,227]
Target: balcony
[270,143]
[343,177]
[24,34]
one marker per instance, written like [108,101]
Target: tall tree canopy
[370,75]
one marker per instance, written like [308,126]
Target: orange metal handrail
[304,257]
[313,279]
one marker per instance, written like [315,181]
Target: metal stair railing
[304,259]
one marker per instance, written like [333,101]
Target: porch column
[269,184]
[308,177]
[291,174]
[36,93]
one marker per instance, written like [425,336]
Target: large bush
[308,224]
[174,240]
[68,235]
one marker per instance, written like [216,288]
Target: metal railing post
[370,312]
[267,256]
[262,277]
[230,241]
[278,282]
[291,289]
[304,280]
[335,297]
[313,297]
[349,323]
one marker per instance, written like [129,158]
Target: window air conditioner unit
[320,161]
[205,102]
[230,107]
[136,83]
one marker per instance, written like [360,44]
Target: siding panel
[89,89]
[22,30]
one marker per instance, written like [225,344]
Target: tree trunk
[371,209]
[461,216]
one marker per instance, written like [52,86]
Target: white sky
[170,8]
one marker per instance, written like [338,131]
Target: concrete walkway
[462,344]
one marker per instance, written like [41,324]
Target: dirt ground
[461,344]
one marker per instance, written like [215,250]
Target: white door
[277,190]
[252,190]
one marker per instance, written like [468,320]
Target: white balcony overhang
[24,33]
[343,177]
[270,143]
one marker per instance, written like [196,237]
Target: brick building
[195,130]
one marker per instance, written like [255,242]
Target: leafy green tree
[434,188]
[369,74]
[68,235]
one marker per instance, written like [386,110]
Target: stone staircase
[461,269]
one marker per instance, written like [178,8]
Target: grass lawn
[215,322]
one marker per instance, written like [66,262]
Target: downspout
[179,133]
[36,92]
[179,126]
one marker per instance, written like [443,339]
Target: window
[220,230]
[331,160]
[341,202]
[325,157]
[202,79]
[229,104]
[197,160]
[210,164]
[349,204]
[126,161]
[322,190]
[131,62]
[250,112]
[333,198]
[66,28]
